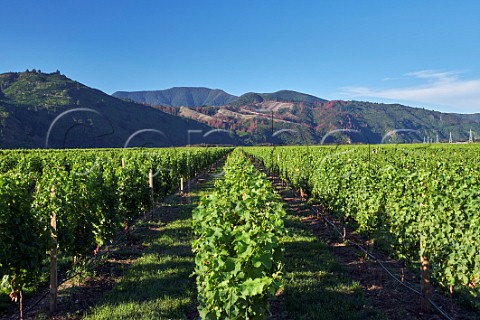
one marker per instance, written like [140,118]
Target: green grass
[158,284]
[316,285]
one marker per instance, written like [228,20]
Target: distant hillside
[313,120]
[34,104]
[374,120]
[30,103]
[202,97]
[281,96]
[179,97]
[474,117]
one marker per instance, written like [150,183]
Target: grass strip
[158,284]
[316,285]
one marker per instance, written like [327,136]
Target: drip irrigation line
[405,284]
[46,293]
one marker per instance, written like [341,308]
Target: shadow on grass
[316,286]
[158,285]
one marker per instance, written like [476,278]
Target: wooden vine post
[21,304]
[425,286]
[53,259]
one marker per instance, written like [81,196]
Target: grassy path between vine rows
[158,284]
[316,284]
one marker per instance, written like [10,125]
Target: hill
[203,97]
[35,106]
[280,96]
[39,109]
[179,97]
[312,119]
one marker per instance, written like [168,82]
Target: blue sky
[419,53]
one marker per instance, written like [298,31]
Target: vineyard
[70,203]
[419,205]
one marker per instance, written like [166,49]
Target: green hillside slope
[31,102]
[179,96]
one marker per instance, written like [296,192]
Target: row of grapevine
[238,254]
[423,203]
[77,200]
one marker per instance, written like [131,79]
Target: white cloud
[436,76]
[443,91]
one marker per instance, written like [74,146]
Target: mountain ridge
[202,96]
[178,97]
[48,109]
[31,101]
[315,118]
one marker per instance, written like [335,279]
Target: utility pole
[470,139]
[450,140]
